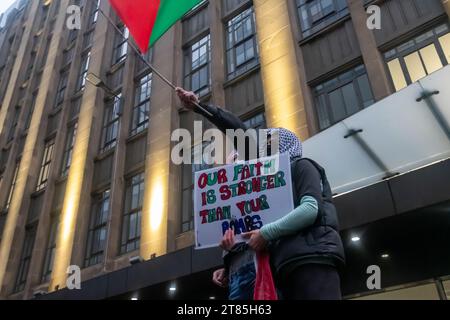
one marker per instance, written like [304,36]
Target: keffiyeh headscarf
[288,142]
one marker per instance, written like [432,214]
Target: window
[98,229]
[88,39]
[12,187]
[68,150]
[51,248]
[197,66]
[342,96]
[241,44]
[257,121]
[419,57]
[31,110]
[131,225]
[25,259]
[81,82]
[111,123]
[93,17]
[140,65]
[43,17]
[30,65]
[120,45]
[68,55]
[62,85]
[314,15]
[12,129]
[45,166]
[73,34]
[46,50]
[141,110]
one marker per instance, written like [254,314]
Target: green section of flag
[170,11]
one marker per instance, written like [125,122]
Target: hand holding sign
[256,240]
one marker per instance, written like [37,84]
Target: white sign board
[244,196]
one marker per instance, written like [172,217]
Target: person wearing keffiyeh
[305,247]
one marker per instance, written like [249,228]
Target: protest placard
[244,196]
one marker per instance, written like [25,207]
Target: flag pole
[142,57]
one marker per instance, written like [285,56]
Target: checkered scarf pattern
[288,142]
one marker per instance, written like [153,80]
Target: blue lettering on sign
[242,225]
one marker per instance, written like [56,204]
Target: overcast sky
[4,4]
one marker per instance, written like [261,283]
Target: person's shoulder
[304,164]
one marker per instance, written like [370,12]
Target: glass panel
[324,120]
[337,105]
[132,226]
[445,44]
[431,59]
[366,92]
[415,67]
[350,98]
[397,74]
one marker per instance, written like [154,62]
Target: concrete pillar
[217,50]
[446,4]
[16,216]
[279,69]
[77,199]
[373,60]
[161,200]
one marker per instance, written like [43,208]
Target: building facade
[85,173]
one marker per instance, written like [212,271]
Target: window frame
[230,47]
[128,244]
[25,258]
[190,71]
[309,26]
[120,49]
[81,80]
[339,84]
[46,164]
[98,223]
[12,187]
[398,54]
[111,121]
[62,88]
[68,149]
[50,248]
[141,105]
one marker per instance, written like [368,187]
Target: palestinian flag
[148,20]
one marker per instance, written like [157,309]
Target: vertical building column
[118,186]
[446,4]
[79,180]
[217,50]
[372,57]
[15,217]
[281,81]
[161,183]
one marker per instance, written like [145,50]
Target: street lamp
[97,82]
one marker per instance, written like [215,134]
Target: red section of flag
[139,17]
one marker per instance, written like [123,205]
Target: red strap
[264,285]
